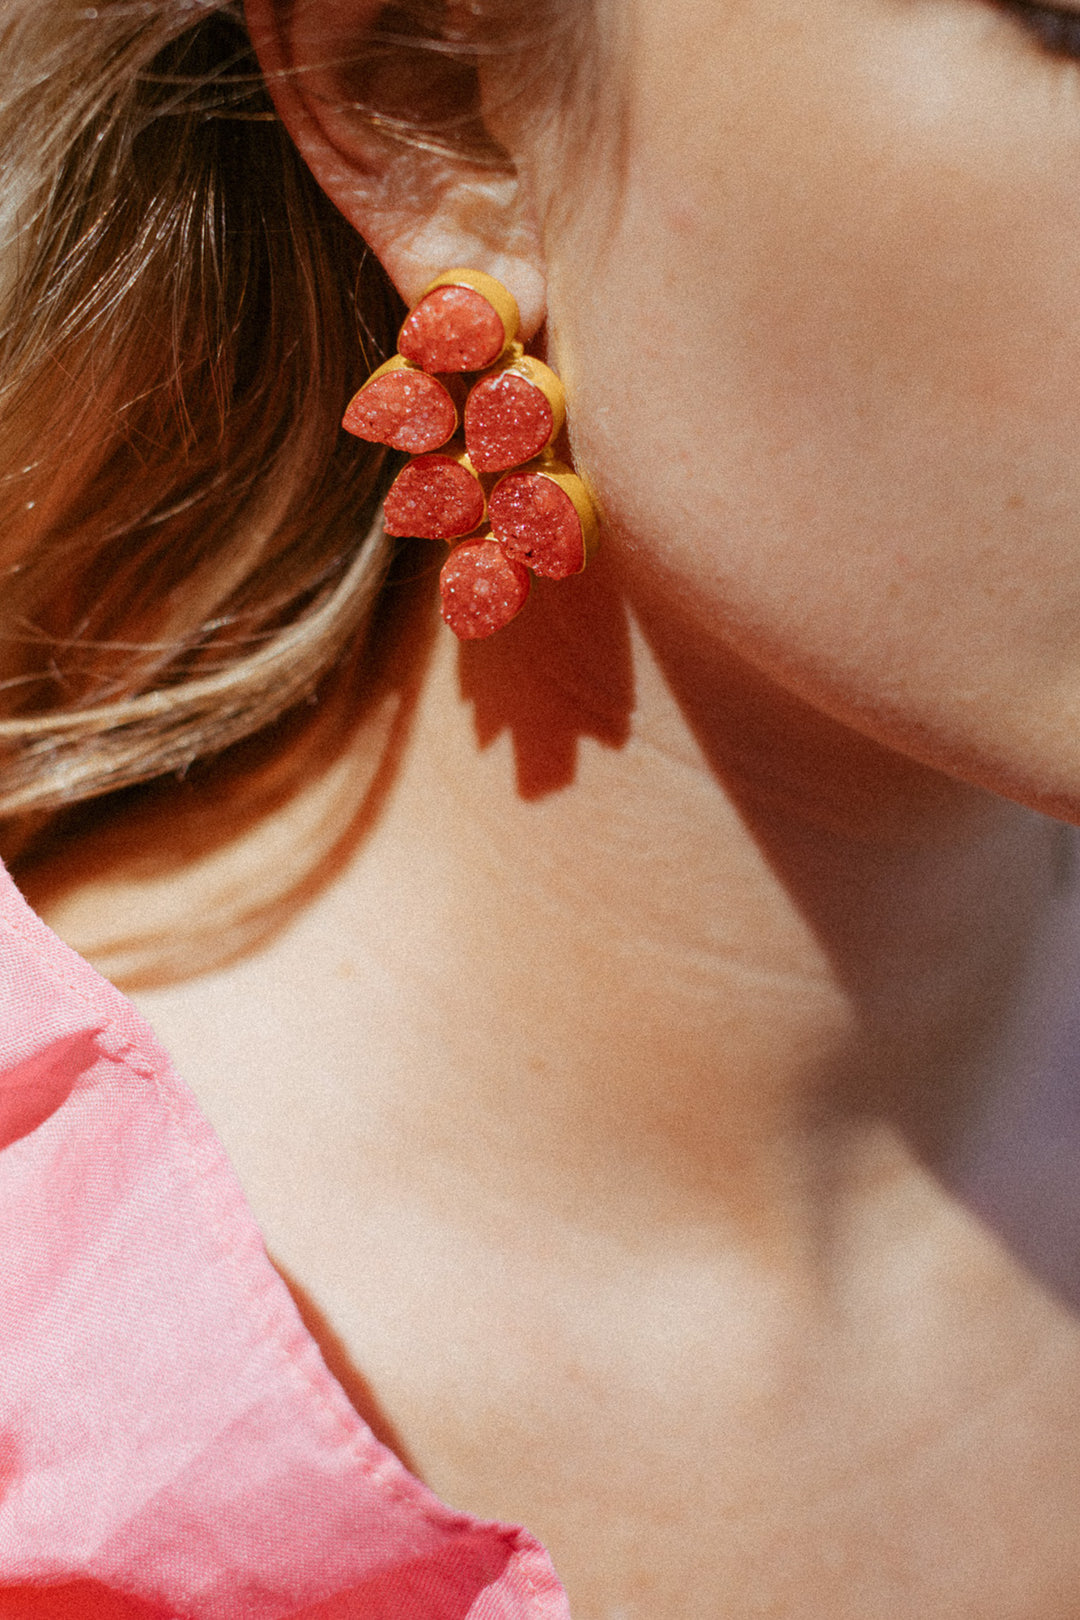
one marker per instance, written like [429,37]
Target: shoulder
[170,1438]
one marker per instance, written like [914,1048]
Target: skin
[683,1151]
[869,269]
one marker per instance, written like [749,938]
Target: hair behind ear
[189,542]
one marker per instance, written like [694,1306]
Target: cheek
[826,365]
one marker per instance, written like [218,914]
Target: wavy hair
[186,543]
[189,546]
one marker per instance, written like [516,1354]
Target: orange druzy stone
[481,589]
[434,498]
[408,410]
[538,524]
[507,421]
[452,329]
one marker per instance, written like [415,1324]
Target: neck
[659,926]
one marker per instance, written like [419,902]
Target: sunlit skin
[843,279]
[668,1108]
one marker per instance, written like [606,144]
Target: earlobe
[420,205]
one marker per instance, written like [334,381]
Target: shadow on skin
[224,804]
[548,723]
[342,1367]
[1006,1152]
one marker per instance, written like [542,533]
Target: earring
[479,417]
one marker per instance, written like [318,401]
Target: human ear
[391,127]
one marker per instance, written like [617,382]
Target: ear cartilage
[465,321]
[544,517]
[435,497]
[513,413]
[481,589]
[403,407]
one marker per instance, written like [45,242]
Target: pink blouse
[171,1442]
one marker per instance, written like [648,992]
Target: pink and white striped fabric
[171,1442]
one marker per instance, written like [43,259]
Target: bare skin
[667,1108]
[616,1134]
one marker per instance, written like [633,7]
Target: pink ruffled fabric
[171,1442]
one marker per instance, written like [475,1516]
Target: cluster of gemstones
[478,416]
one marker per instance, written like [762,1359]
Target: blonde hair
[189,545]
[187,542]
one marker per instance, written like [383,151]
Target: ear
[422,206]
